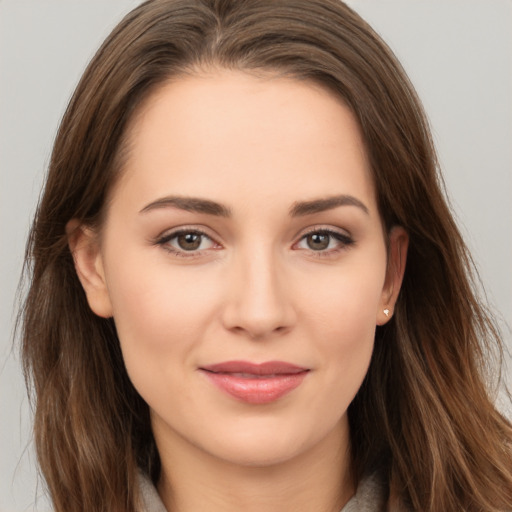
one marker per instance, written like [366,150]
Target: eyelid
[169,234]
[322,228]
[325,228]
[187,228]
[344,238]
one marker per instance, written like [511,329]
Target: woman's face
[245,265]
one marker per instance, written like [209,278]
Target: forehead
[207,135]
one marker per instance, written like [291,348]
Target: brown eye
[189,241]
[318,241]
[324,241]
[185,241]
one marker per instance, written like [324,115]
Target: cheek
[347,299]
[160,314]
[342,320]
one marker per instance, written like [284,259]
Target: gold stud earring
[386,312]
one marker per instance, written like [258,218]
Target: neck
[318,480]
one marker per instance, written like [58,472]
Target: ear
[397,256]
[85,247]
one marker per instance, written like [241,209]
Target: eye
[187,241]
[324,240]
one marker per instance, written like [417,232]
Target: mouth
[255,383]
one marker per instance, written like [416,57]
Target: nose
[259,303]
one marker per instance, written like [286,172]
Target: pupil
[189,241]
[318,241]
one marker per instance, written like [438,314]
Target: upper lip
[266,368]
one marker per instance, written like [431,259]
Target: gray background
[457,52]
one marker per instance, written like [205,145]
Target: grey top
[151,502]
[368,498]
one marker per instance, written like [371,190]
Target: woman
[247,288]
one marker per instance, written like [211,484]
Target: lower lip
[257,390]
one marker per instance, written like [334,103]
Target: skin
[257,289]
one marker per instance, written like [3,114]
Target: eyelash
[345,241]
[165,239]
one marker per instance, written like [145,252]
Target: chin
[270,444]
[259,453]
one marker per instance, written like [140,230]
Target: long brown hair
[424,414]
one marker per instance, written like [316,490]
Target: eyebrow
[189,204]
[298,209]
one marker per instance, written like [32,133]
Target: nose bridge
[259,303]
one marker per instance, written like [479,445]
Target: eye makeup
[192,242]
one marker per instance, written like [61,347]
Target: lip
[255,383]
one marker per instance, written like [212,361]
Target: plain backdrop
[458,53]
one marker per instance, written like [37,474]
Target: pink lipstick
[255,383]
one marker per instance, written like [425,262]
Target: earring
[386,312]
